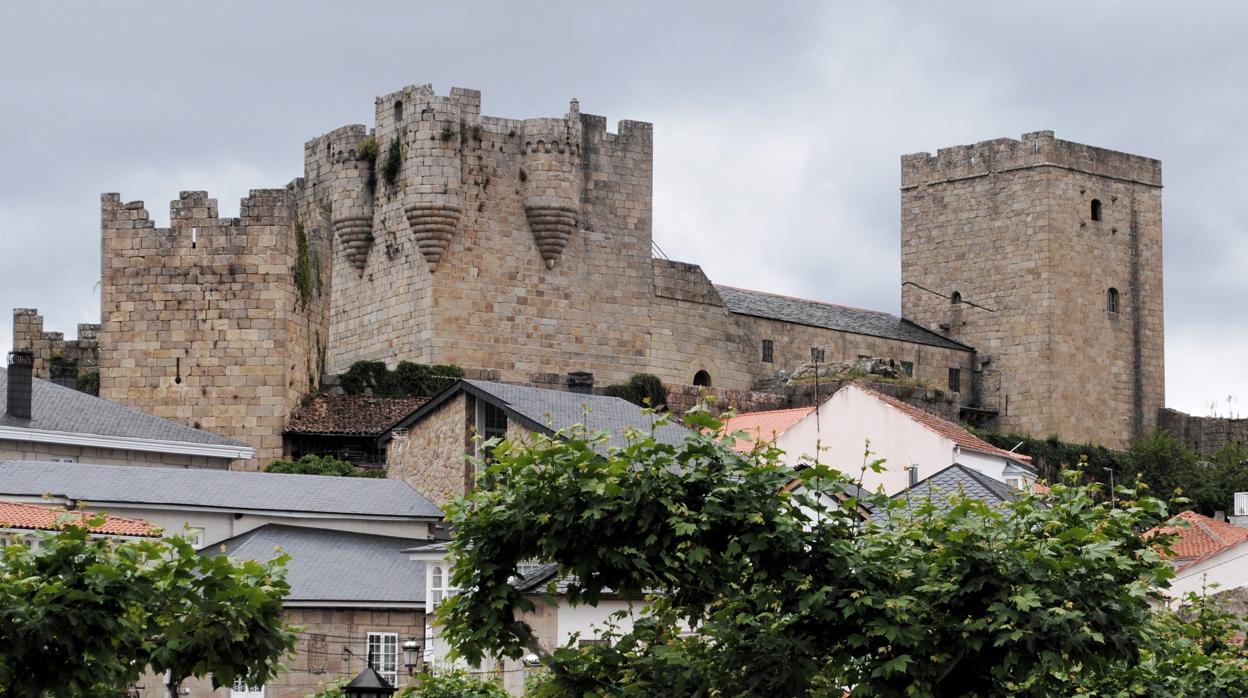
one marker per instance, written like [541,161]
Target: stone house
[44,421]
[913,443]
[428,448]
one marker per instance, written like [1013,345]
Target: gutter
[129,443]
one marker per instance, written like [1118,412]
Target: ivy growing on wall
[406,380]
[303,264]
[390,167]
[368,151]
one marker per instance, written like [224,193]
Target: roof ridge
[911,410]
[807,300]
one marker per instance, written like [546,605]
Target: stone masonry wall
[1204,435]
[1006,225]
[431,457]
[213,322]
[321,653]
[51,348]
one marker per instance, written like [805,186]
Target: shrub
[89,382]
[394,159]
[406,380]
[319,465]
[641,389]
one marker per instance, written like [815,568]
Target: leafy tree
[442,683]
[790,596]
[89,382]
[83,616]
[640,389]
[322,465]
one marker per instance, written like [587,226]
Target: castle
[521,250]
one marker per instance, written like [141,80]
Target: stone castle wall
[1204,435]
[1007,226]
[53,353]
[213,322]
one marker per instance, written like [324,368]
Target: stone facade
[430,457]
[332,645]
[1013,247]
[56,358]
[216,323]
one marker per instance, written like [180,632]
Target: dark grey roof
[956,479]
[832,317]
[57,408]
[334,566]
[218,489]
[548,411]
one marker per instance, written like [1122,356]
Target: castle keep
[520,249]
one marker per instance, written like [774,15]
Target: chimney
[581,382]
[914,474]
[21,371]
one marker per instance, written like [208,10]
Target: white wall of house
[1228,570]
[852,417]
[592,621]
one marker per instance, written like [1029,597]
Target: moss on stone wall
[303,264]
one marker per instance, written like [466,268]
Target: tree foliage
[83,616]
[406,380]
[787,595]
[322,465]
[642,389]
[441,683]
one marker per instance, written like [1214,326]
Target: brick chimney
[21,371]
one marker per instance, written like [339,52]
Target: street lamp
[411,655]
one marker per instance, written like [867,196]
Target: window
[195,536]
[1014,482]
[398,110]
[955,380]
[769,349]
[956,298]
[491,424]
[240,689]
[907,367]
[702,378]
[1096,209]
[439,585]
[1111,300]
[383,651]
[64,459]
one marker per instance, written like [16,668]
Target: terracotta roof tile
[43,518]
[1202,536]
[351,415]
[763,426]
[947,429]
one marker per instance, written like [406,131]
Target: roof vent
[21,373]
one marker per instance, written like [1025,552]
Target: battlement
[1037,149]
[195,224]
[339,146]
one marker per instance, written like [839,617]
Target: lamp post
[411,655]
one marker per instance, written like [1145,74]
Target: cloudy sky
[778,125]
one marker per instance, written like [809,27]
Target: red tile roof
[945,428]
[43,518]
[763,426]
[1202,536]
[351,415]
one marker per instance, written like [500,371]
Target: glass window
[1111,300]
[907,367]
[240,689]
[955,380]
[383,649]
[768,351]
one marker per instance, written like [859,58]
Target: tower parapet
[552,181]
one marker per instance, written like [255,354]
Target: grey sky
[778,125]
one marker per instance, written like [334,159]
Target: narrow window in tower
[955,380]
[1096,209]
[768,351]
[1111,300]
[702,378]
[398,110]
[956,298]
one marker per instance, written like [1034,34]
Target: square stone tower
[1046,256]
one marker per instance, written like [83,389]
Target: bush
[322,465]
[641,389]
[406,380]
[89,382]
[454,684]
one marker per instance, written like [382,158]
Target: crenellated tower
[552,180]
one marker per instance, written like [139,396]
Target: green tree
[788,595]
[406,380]
[83,616]
[442,683]
[322,465]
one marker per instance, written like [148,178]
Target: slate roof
[57,408]
[43,518]
[764,426]
[1200,537]
[548,411]
[334,566]
[945,428]
[216,489]
[351,415]
[833,317]
[956,479]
